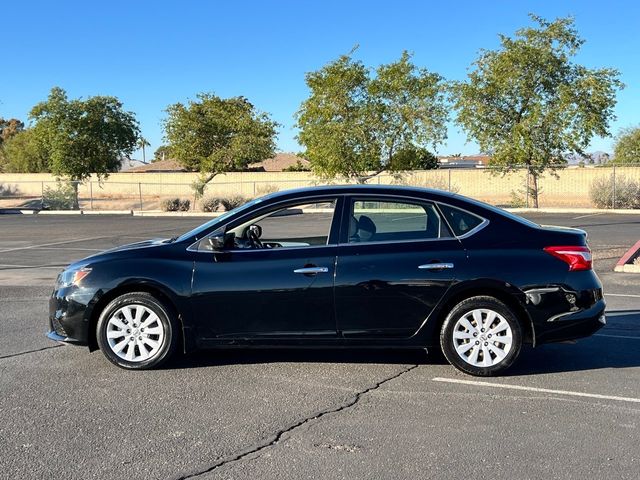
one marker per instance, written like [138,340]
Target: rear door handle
[435,266]
[311,270]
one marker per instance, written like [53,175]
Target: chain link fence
[586,187]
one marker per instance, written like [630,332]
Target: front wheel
[136,331]
[481,336]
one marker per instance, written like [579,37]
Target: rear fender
[507,293]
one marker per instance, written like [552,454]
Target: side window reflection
[383,221]
[294,226]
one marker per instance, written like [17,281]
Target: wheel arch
[159,291]
[508,294]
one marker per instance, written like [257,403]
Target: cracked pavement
[257,450]
[304,414]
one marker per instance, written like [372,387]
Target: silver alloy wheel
[135,333]
[482,337]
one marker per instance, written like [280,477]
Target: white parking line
[7,266]
[538,390]
[31,247]
[616,336]
[585,216]
[621,295]
[73,248]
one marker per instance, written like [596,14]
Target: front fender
[170,281]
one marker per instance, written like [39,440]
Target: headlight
[72,277]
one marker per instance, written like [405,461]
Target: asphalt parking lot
[564,411]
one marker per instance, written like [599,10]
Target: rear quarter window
[461,221]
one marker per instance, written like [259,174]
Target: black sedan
[338,266]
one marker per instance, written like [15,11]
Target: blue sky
[152,54]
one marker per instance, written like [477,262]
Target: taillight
[578,258]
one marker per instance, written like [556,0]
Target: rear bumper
[572,325]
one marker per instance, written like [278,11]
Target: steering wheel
[253,238]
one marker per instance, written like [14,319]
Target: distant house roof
[129,163]
[276,164]
[279,163]
[167,165]
[468,161]
[484,159]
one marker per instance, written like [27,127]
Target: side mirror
[216,242]
[256,230]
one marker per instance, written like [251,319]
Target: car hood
[153,243]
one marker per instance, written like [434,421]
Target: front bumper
[69,315]
[52,335]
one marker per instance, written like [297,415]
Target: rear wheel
[136,331]
[481,336]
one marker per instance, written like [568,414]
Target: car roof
[474,206]
[360,189]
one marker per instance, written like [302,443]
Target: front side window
[301,225]
[390,221]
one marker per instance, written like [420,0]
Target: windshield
[216,221]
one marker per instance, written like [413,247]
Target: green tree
[214,135]
[627,146]
[84,137]
[413,158]
[528,103]
[24,153]
[297,167]
[9,128]
[162,152]
[143,143]
[355,121]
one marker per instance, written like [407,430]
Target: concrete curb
[624,264]
[107,212]
[176,214]
[59,212]
[574,210]
[84,212]
[630,268]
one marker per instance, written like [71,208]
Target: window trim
[418,201]
[473,231]
[437,203]
[338,228]
[334,228]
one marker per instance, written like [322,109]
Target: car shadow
[615,346]
[210,358]
[607,349]
[33,204]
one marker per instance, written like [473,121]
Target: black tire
[475,344]
[165,320]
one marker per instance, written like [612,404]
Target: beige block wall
[570,187]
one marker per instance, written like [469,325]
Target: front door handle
[435,266]
[311,270]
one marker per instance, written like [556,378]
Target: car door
[395,262]
[284,289]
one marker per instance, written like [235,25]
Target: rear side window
[384,221]
[461,222]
